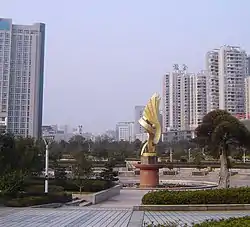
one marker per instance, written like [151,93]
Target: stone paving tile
[103,217]
[67,218]
[182,217]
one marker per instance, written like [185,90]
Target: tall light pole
[171,155]
[189,155]
[46,183]
[89,147]
[244,155]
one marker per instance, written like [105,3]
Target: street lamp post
[171,155]
[189,155]
[89,148]
[46,182]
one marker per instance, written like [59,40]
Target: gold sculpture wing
[150,119]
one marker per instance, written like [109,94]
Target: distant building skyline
[117,61]
[125,131]
[138,114]
[187,97]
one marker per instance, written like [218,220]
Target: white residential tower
[21,77]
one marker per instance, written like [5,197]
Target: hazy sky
[103,57]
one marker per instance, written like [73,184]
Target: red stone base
[149,178]
[149,175]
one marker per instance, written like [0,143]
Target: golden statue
[150,122]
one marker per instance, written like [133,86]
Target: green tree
[137,145]
[198,157]
[12,182]
[78,143]
[218,130]
[60,173]
[108,174]
[19,158]
[8,158]
[82,169]
[29,158]
[56,151]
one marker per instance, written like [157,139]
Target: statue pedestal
[149,171]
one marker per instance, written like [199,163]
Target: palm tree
[218,131]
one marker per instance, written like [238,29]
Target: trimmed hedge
[40,189]
[212,196]
[92,185]
[231,222]
[88,186]
[25,200]
[171,224]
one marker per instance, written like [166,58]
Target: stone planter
[170,172]
[232,173]
[199,173]
[137,172]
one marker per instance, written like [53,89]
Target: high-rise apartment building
[174,93]
[138,114]
[247,98]
[248,65]
[212,66]
[227,69]
[198,97]
[184,100]
[21,77]
[125,131]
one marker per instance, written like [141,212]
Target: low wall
[99,196]
[106,194]
[190,184]
[86,197]
[126,174]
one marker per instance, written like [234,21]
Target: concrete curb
[188,188]
[193,207]
[75,202]
[187,185]
[84,204]
[48,205]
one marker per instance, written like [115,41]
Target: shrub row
[68,185]
[88,185]
[23,200]
[40,188]
[231,222]
[212,196]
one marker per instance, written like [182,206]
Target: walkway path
[116,212]
[127,199]
[101,217]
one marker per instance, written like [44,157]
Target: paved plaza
[95,217]
[241,179]
[118,211]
